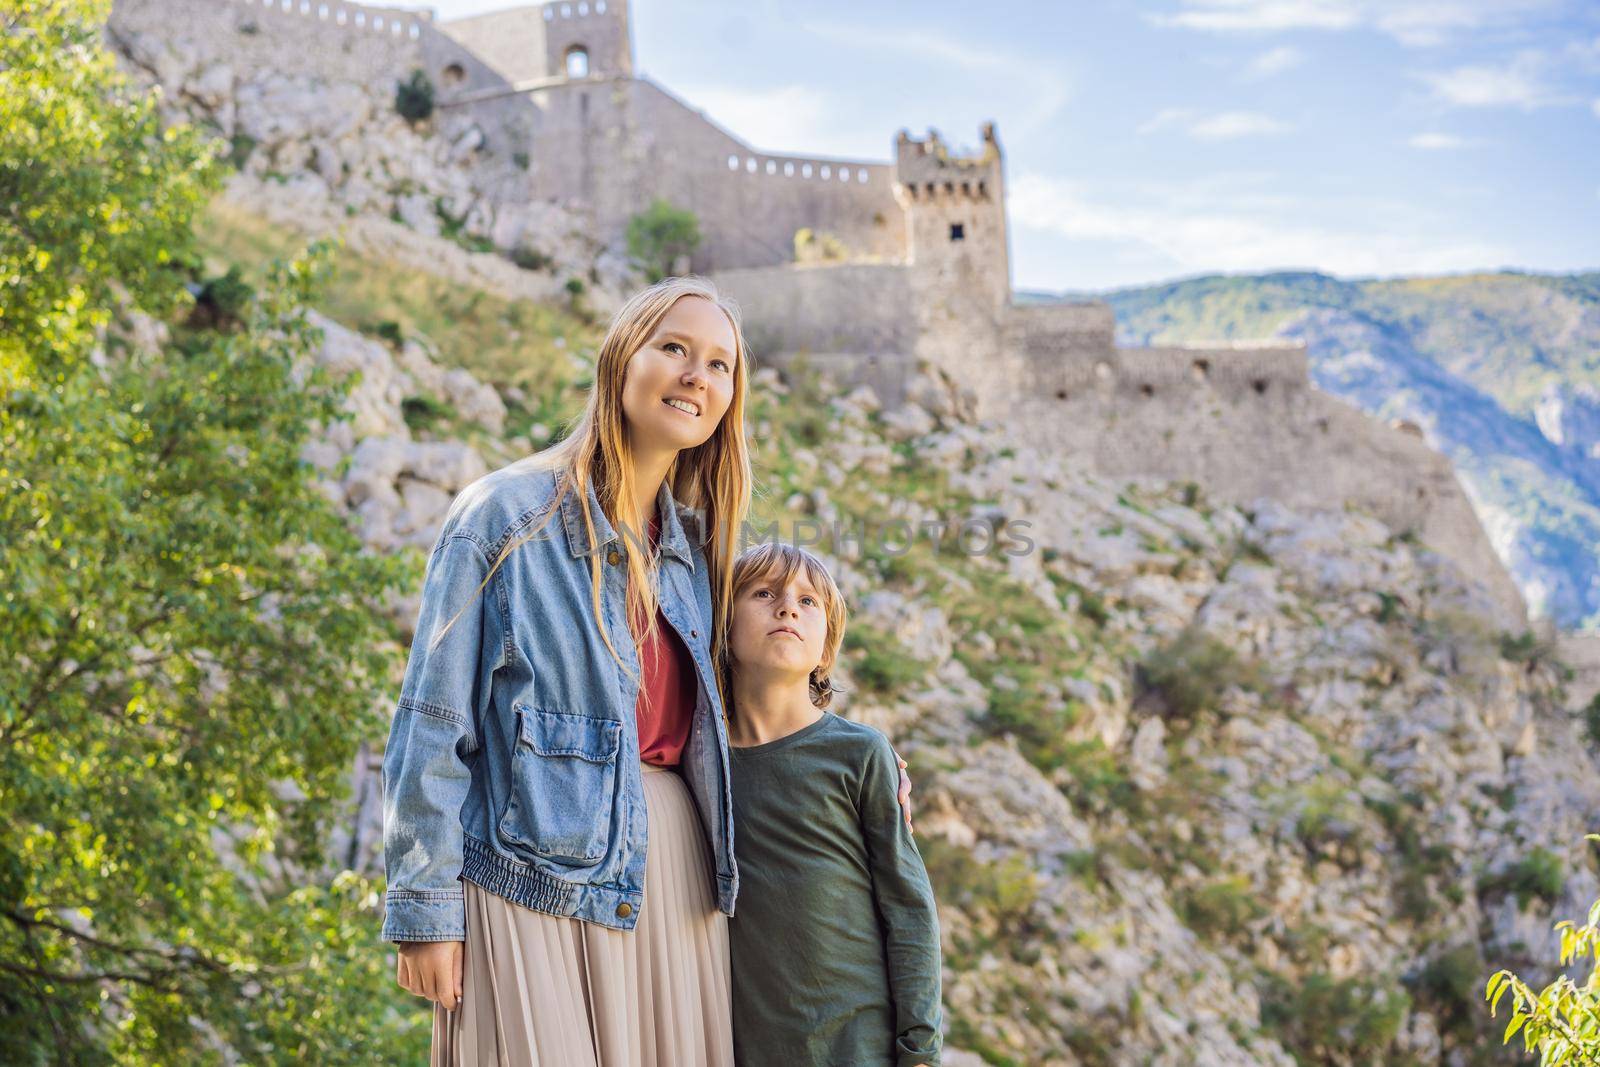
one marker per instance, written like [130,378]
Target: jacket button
[694,633]
[624,910]
[613,557]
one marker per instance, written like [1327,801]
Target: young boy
[834,940]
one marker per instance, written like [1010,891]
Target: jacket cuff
[424,915]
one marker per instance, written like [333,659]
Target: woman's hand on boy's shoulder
[904,793]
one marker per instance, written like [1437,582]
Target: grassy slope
[542,350]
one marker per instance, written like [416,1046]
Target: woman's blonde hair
[713,477]
[777,562]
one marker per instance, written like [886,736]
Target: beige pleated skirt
[542,990]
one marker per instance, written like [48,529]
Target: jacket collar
[672,538]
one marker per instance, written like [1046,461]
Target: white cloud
[1231,124]
[1236,15]
[790,118]
[1424,24]
[1045,86]
[1595,107]
[1274,61]
[1224,125]
[1416,23]
[1585,54]
[1438,141]
[1165,117]
[1238,235]
[1519,83]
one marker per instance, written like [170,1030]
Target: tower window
[958,231]
[454,75]
[577,62]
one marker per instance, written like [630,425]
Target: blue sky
[1159,139]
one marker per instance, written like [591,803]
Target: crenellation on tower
[956,217]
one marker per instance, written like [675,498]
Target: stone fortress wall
[925,278]
[614,144]
[306,37]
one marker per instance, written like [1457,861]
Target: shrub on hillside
[1537,875]
[1319,1017]
[413,98]
[1189,673]
[659,235]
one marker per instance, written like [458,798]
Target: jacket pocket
[563,782]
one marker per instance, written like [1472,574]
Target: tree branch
[172,956]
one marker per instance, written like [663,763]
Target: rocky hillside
[1200,784]
[333,150]
[1498,370]
[1197,784]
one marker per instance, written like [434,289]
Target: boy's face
[783,629]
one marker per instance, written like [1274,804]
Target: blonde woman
[558,820]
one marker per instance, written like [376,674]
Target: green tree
[1561,1021]
[413,98]
[660,234]
[191,636]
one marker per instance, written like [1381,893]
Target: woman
[561,709]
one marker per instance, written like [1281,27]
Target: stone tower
[955,215]
[958,261]
[588,38]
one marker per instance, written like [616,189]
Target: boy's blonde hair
[777,562]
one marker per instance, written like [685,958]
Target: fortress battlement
[368,18]
[361,43]
[927,170]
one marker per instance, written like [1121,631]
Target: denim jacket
[513,757]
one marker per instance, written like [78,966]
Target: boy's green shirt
[835,939]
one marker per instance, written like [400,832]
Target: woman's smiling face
[678,385]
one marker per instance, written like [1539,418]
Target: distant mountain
[1501,371]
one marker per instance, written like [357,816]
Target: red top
[667,675]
